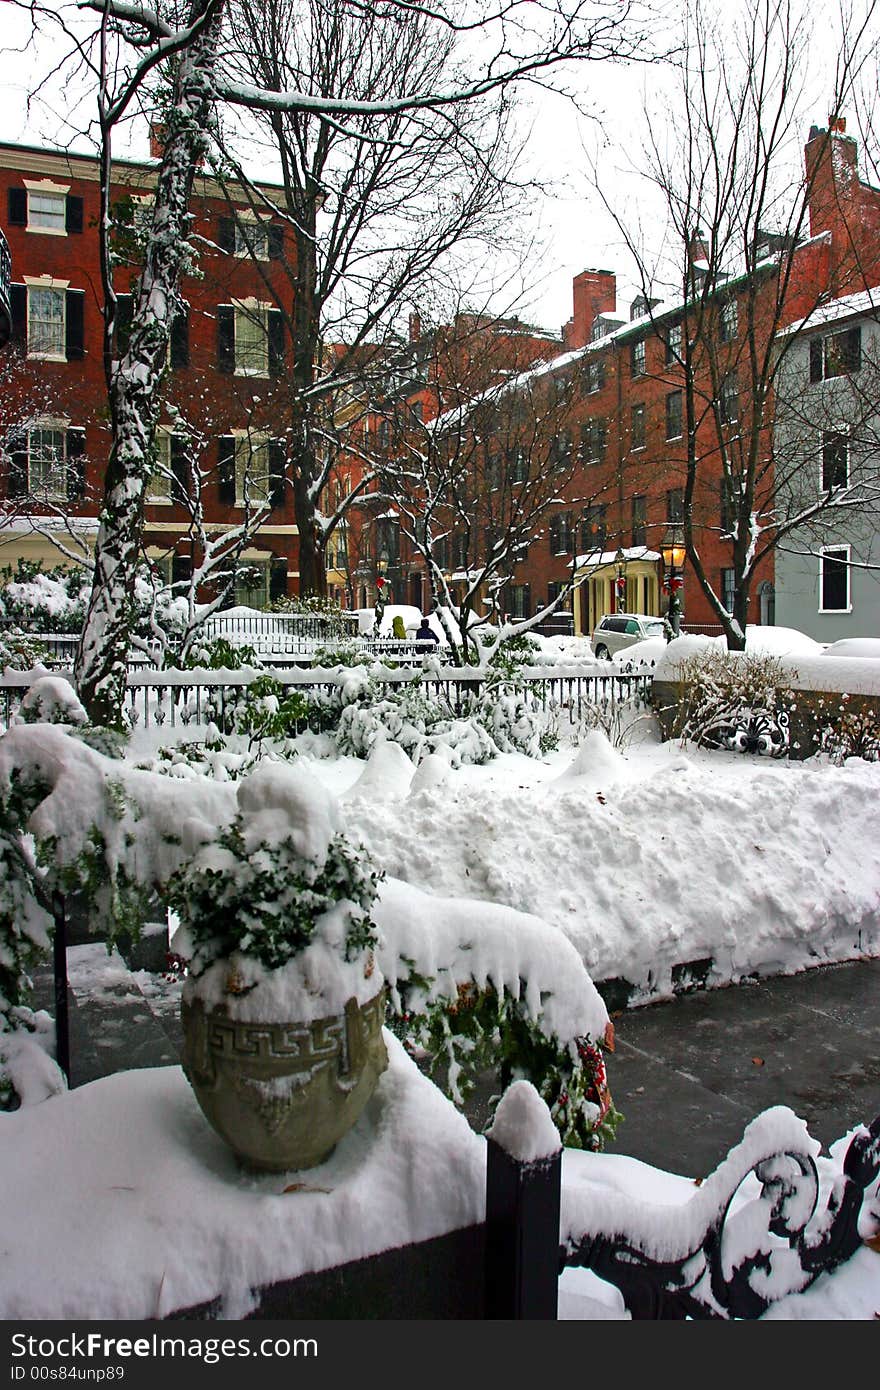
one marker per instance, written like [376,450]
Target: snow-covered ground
[645,857]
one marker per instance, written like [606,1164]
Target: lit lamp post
[620,581]
[673,553]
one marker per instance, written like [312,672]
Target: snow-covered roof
[846,307]
[597,558]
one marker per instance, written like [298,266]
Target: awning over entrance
[596,585]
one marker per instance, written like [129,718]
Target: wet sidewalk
[688,1075]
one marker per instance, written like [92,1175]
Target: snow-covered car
[769,640]
[640,657]
[615,631]
[854,646]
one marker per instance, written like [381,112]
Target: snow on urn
[283,1005]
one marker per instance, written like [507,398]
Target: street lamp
[620,582]
[673,552]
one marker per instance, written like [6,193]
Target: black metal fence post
[522,1234]
[59,957]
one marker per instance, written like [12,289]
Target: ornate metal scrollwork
[764,732]
[774,1242]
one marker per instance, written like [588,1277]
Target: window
[45,207]
[835,460]
[493,471]
[836,354]
[728,400]
[593,529]
[46,322]
[594,375]
[169,479]
[639,518]
[520,600]
[673,344]
[252,239]
[517,465]
[637,357]
[251,470]
[729,507]
[560,533]
[637,426]
[593,441]
[674,415]
[47,453]
[250,339]
[560,450]
[675,504]
[834,571]
[728,589]
[728,321]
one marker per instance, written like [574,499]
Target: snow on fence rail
[196,697]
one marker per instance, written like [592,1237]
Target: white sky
[576,230]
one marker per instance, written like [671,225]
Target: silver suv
[618,630]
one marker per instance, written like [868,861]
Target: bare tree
[134,45]
[744,281]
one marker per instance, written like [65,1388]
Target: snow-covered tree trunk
[102,656]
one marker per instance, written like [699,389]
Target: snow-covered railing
[198,696]
[253,627]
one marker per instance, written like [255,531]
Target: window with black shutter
[226,470]
[18,312]
[74,340]
[226,338]
[73,214]
[181,568]
[226,235]
[17,207]
[179,458]
[15,445]
[178,353]
[276,242]
[75,448]
[837,354]
[276,342]
[276,473]
[124,314]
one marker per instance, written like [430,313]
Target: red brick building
[221,425]
[623,440]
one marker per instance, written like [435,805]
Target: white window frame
[47,189]
[837,551]
[638,357]
[680,395]
[643,416]
[246,311]
[842,433]
[728,592]
[247,444]
[57,426]
[728,320]
[162,443]
[46,282]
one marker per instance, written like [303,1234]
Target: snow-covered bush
[20,651]
[51,700]
[274,880]
[733,700]
[46,601]
[418,722]
[514,724]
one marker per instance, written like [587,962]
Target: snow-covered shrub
[418,722]
[479,1029]
[840,724]
[341,654]
[733,700]
[275,880]
[513,723]
[21,652]
[46,601]
[51,700]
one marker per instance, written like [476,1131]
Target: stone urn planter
[283,1005]
[282,1094]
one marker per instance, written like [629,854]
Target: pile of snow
[861,647]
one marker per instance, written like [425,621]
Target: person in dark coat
[426,633]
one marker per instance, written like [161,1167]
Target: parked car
[855,646]
[618,630]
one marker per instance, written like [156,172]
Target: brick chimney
[594,292]
[831,158]
[415,326]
